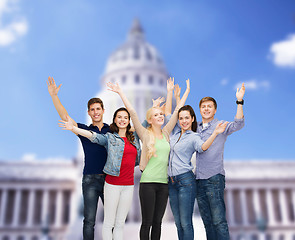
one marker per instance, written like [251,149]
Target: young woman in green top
[153,190]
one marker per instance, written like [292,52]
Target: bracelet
[240,102]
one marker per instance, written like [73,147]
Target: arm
[68,125]
[170,87]
[53,90]
[240,94]
[100,139]
[137,124]
[171,124]
[177,90]
[219,129]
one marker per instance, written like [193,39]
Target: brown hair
[94,100]
[114,127]
[193,115]
[205,99]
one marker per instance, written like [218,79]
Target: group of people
[168,142]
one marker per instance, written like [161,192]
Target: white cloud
[254,84]
[29,157]
[224,81]
[18,26]
[283,52]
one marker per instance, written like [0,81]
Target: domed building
[140,71]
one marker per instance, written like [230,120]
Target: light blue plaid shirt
[182,149]
[210,162]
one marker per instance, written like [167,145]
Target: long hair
[114,127]
[151,150]
[193,115]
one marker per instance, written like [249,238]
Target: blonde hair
[151,150]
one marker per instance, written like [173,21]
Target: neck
[207,120]
[122,132]
[183,131]
[98,124]
[157,130]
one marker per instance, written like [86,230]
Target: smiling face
[122,119]
[155,117]
[96,112]
[207,110]
[185,120]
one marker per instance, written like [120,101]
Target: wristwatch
[240,102]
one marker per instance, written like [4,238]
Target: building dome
[139,69]
[135,55]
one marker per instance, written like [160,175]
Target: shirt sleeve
[198,142]
[234,126]
[100,139]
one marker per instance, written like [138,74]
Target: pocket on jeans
[86,179]
[187,181]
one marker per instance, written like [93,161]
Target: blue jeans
[92,189]
[210,197]
[182,194]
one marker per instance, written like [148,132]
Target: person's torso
[126,176]
[156,168]
[94,155]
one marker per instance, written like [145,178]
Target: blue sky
[217,44]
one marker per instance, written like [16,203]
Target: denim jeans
[210,197]
[182,195]
[92,189]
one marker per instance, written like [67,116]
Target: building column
[293,202]
[16,208]
[44,214]
[256,204]
[58,211]
[270,208]
[31,209]
[283,206]
[244,209]
[73,206]
[230,207]
[3,206]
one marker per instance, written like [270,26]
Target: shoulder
[83,126]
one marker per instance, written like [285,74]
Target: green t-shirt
[156,169]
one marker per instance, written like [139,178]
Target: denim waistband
[180,176]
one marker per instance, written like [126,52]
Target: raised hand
[52,88]
[188,87]
[170,84]
[240,92]
[177,90]
[220,128]
[114,87]
[158,101]
[66,125]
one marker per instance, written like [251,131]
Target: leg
[210,197]
[174,204]
[215,195]
[186,198]
[122,211]
[90,192]
[147,196]
[112,196]
[159,210]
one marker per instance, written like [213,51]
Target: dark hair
[193,115]
[114,127]
[94,100]
[205,99]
